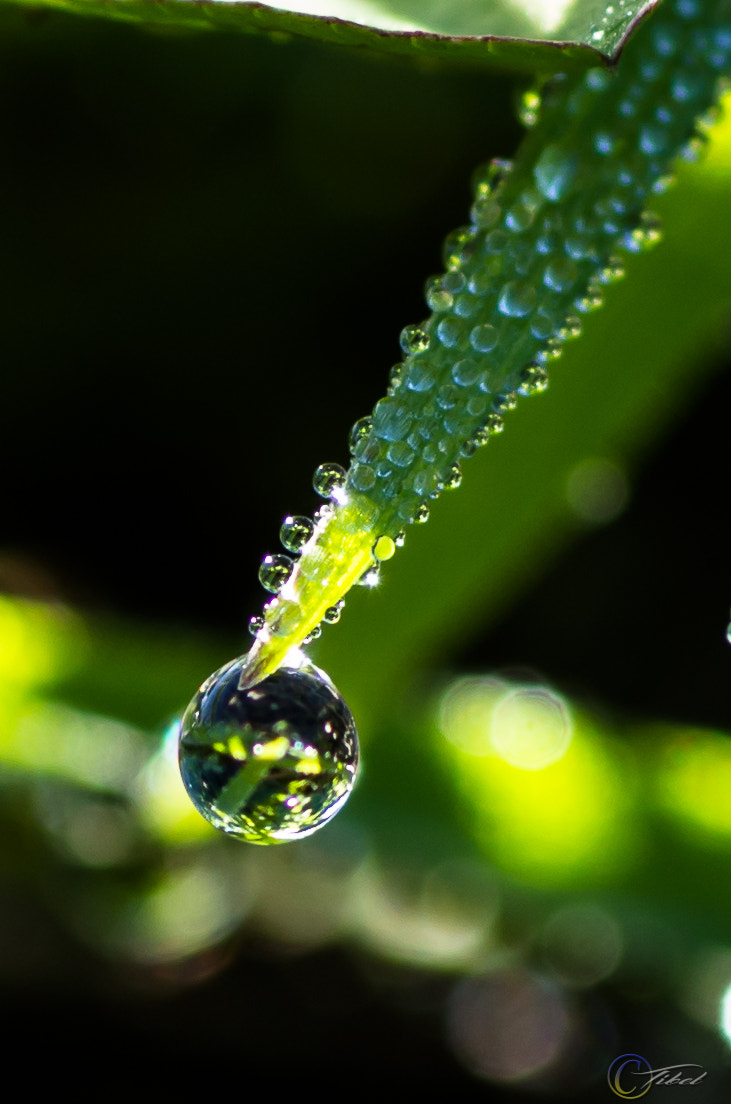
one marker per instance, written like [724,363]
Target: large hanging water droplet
[295,533]
[328,479]
[271,763]
[274,572]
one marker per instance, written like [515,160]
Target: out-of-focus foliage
[532,875]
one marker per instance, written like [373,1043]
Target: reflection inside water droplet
[270,763]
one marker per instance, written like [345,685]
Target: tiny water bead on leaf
[270,763]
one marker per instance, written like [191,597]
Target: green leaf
[547,35]
[612,394]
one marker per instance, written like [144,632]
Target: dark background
[209,247]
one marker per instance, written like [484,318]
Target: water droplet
[422,514]
[400,539]
[420,376]
[488,178]
[457,247]
[503,403]
[560,274]
[570,328]
[332,615]
[533,379]
[484,213]
[384,548]
[274,572]
[466,306]
[644,236]
[313,634]
[653,140]
[483,339]
[519,218]
[371,576]
[447,397]
[360,431]
[256,624]
[494,424]
[414,340]
[554,172]
[295,533]
[517,299]
[328,479]
[361,477]
[271,763]
[613,270]
[496,242]
[437,296]
[401,454]
[454,282]
[529,108]
[450,332]
[542,325]
[453,478]
[591,301]
[552,351]
[465,373]
[395,378]
[728,632]
[604,143]
[323,513]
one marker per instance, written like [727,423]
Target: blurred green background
[210,245]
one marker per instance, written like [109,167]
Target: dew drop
[332,615]
[503,403]
[384,548]
[400,539]
[488,178]
[361,477]
[554,172]
[465,373]
[529,108]
[422,514]
[313,634]
[295,533]
[519,218]
[613,270]
[271,763]
[274,572]
[560,274]
[644,236]
[395,378]
[420,376]
[483,339]
[437,297]
[485,213]
[371,576]
[454,478]
[592,300]
[256,624]
[328,479]
[517,299]
[450,332]
[359,432]
[570,328]
[414,340]
[457,247]
[533,379]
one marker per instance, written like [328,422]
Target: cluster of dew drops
[442,294]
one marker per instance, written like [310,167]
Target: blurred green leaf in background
[210,244]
